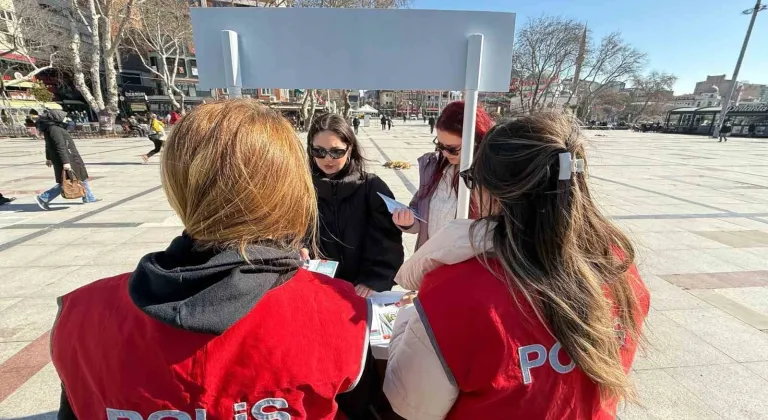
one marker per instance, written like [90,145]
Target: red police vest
[500,356]
[288,358]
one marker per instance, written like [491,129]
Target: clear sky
[689,38]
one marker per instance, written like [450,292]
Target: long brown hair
[236,174]
[556,248]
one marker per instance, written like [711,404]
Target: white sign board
[352,48]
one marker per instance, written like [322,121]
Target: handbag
[71,187]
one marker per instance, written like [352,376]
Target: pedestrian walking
[225,318]
[511,307]
[431,124]
[425,118]
[355,226]
[389,123]
[383,122]
[173,117]
[61,154]
[355,124]
[437,197]
[156,136]
[6,200]
[725,130]
[405,118]
[751,130]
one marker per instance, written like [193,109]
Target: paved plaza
[697,209]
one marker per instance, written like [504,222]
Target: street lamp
[727,100]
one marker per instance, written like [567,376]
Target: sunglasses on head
[334,153]
[468,178]
[451,150]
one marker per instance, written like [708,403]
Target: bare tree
[545,49]
[613,61]
[96,31]
[162,27]
[652,88]
[27,47]
[29,39]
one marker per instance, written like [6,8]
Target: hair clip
[568,166]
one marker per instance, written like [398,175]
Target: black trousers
[158,145]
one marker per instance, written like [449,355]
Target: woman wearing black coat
[62,154]
[356,228]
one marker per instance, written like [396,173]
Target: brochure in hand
[323,267]
[393,205]
[385,306]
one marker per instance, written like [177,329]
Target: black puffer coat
[356,229]
[59,146]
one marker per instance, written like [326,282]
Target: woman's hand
[403,218]
[304,255]
[363,291]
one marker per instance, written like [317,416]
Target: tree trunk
[305,106]
[347,103]
[95,55]
[95,102]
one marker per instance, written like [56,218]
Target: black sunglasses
[468,178]
[451,150]
[335,153]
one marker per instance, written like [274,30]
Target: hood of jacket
[452,245]
[207,290]
[50,118]
[342,184]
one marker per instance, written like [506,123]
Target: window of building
[266,92]
[193,67]
[131,78]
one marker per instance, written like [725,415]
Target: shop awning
[17,104]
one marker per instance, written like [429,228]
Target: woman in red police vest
[532,312]
[224,324]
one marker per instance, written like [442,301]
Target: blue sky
[690,38]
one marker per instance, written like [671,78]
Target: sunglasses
[335,153]
[451,150]
[468,178]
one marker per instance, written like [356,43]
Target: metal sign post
[471,84]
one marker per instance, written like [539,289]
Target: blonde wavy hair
[236,174]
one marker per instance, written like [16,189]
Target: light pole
[727,100]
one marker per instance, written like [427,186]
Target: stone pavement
[697,209]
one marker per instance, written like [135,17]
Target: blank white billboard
[353,48]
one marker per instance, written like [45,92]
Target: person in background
[383,122]
[389,123]
[437,197]
[225,319]
[533,311]
[751,130]
[405,118]
[61,154]
[31,125]
[6,200]
[725,130]
[431,124]
[156,136]
[355,225]
[425,118]
[174,117]
[356,124]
